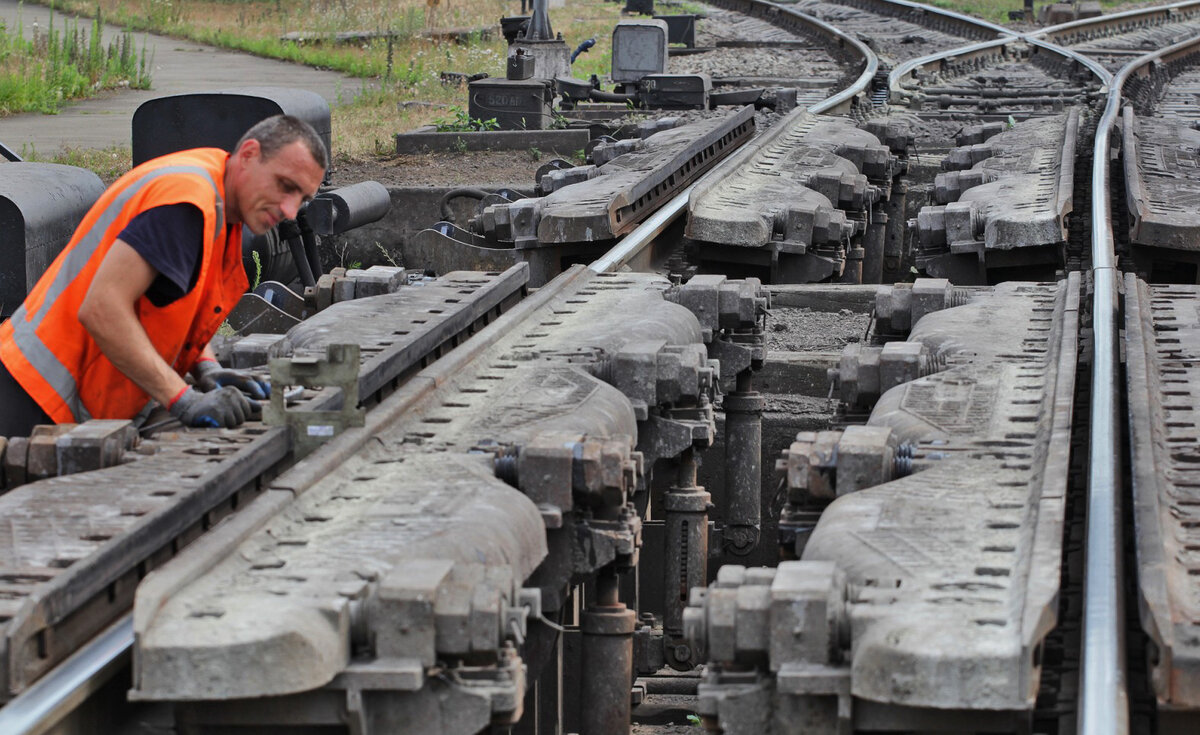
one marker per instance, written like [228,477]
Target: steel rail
[1103,692]
[44,704]
[1138,14]
[906,68]
[1088,62]
[930,10]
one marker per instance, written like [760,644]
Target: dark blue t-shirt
[170,238]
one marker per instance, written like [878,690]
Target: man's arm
[107,312]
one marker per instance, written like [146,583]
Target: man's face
[269,190]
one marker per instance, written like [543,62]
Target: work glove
[210,375]
[225,407]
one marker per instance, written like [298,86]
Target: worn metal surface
[399,331]
[602,202]
[1003,201]
[799,201]
[1161,324]
[932,592]
[74,547]
[1162,189]
[1103,700]
[553,401]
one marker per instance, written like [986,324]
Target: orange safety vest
[55,359]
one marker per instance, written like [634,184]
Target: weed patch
[64,62]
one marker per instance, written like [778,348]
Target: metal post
[873,244]
[743,466]
[607,661]
[686,537]
[852,271]
[539,23]
[893,244]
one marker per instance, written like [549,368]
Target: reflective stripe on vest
[25,337]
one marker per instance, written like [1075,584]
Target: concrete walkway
[179,67]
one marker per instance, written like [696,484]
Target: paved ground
[179,67]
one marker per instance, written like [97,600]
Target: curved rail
[1083,59]
[1065,33]
[959,21]
[793,20]
[992,47]
[1103,698]
[906,68]
[1103,706]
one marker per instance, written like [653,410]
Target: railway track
[509,524]
[1117,39]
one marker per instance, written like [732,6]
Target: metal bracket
[338,369]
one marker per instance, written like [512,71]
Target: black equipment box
[41,204]
[219,119]
[675,91]
[520,65]
[680,29]
[515,104]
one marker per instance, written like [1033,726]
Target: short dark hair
[278,131]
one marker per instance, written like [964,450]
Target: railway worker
[130,305]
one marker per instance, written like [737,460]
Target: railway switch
[891,596]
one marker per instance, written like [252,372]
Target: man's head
[275,168]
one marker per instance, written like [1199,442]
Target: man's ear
[249,150]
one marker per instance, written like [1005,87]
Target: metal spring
[904,459]
[506,466]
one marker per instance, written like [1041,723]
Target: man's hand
[210,376]
[223,407]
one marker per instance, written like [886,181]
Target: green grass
[65,62]
[107,163]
